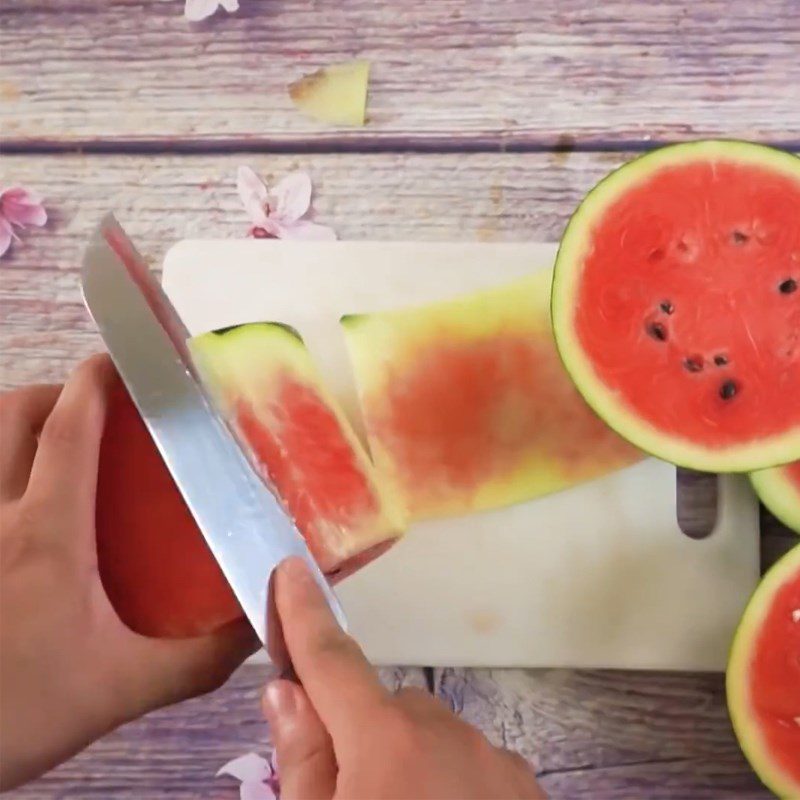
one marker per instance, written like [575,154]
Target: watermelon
[778,489]
[265,380]
[154,563]
[676,304]
[763,678]
[466,404]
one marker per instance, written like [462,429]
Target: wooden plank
[175,752]
[484,75]
[608,734]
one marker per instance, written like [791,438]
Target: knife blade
[243,521]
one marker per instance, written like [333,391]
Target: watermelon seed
[737,237]
[728,390]
[657,331]
[656,255]
[694,363]
[788,286]
[667,307]
[720,360]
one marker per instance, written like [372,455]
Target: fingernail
[295,569]
[280,698]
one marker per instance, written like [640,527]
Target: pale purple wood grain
[488,73]
[599,734]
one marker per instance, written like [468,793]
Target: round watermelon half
[676,304]
[779,490]
[763,678]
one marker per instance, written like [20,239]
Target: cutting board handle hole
[696,495]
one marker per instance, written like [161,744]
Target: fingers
[22,415]
[340,682]
[64,472]
[304,749]
[170,670]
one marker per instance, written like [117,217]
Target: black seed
[788,286]
[728,390]
[666,306]
[720,360]
[693,363]
[737,237]
[657,331]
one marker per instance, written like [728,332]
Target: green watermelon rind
[755,455]
[779,495]
[736,683]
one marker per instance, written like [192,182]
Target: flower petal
[292,196]
[253,194]
[230,5]
[248,768]
[21,207]
[196,10]
[6,235]
[307,231]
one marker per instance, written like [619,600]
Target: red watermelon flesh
[155,565]
[763,678]
[677,304]
[778,489]
[467,406]
[266,381]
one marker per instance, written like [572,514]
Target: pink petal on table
[303,230]
[197,10]
[247,768]
[292,196]
[21,207]
[253,194]
[6,235]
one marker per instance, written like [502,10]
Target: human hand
[342,735]
[70,671]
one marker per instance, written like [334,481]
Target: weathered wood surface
[175,752]
[451,73]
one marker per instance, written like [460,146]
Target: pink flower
[279,213]
[21,208]
[196,10]
[257,777]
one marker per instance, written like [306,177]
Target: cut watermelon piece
[676,304]
[467,406]
[265,380]
[763,678]
[779,490]
[155,565]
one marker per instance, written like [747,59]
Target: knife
[243,521]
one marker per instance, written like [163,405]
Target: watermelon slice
[763,678]
[153,560]
[779,490]
[155,565]
[266,381]
[466,404]
[676,304]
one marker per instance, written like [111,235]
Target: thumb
[306,763]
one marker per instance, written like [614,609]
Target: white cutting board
[596,576]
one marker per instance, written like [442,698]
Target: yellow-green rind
[746,457]
[736,678]
[779,494]
[227,359]
[381,344]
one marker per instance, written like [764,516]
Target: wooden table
[488,120]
